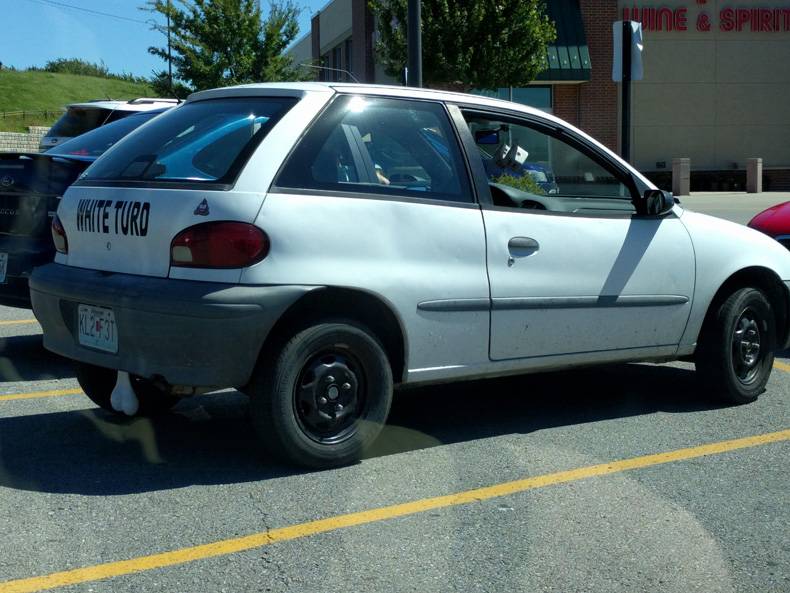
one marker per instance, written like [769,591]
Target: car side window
[540,164]
[383,146]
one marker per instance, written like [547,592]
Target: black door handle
[523,243]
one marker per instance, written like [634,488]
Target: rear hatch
[175,172]
[77,120]
[30,189]
[129,230]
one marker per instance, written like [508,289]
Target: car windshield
[196,142]
[96,142]
[538,176]
[78,120]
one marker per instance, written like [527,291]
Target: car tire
[735,353]
[322,398]
[98,383]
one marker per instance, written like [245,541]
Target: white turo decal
[122,217]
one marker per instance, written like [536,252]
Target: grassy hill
[48,91]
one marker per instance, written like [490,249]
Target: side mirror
[657,202]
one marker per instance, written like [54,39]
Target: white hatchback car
[315,244]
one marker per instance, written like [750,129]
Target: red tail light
[219,245]
[59,236]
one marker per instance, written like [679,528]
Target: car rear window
[201,142]
[78,120]
[96,142]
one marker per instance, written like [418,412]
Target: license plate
[3,266]
[97,328]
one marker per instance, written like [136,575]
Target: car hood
[774,221]
[724,247]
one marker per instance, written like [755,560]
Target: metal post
[625,131]
[414,36]
[169,57]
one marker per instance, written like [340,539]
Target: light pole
[169,57]
[414,39]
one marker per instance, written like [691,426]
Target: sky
[36,31]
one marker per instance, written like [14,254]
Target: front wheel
[98,383]
[324,397]
[736,348]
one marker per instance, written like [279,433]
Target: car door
[572,267]
[376,198]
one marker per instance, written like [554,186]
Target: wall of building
[715,90]
[716,96]
[597,103]
[335,24]
[301,51]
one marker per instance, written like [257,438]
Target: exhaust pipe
[123,398]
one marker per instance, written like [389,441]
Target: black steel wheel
[98,383]
[321,398]
[735,352]
[329,396]
[746,346]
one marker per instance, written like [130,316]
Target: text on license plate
[97,328]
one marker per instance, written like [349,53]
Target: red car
[774,222]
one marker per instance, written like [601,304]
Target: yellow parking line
[782,366]
[256,540]
[18,321]
[35,394]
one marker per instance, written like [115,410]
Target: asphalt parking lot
[625,478]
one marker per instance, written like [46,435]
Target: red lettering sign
[727,19]
[754,20]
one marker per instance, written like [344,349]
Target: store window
[337,64]
[538,97]
[348,67]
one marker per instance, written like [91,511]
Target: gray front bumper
[186,332]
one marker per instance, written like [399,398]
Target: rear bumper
[24,254]
[188,333]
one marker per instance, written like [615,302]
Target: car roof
[139,104]
[300,89]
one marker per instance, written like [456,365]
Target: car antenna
[346,72]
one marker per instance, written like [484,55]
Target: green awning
[569,56]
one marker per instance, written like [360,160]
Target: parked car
[30,189]
[774,222]
[84,117]
[295,267]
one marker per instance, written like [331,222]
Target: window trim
[465,180]
[552,129]
[330,193]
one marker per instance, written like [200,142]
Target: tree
[225,42]
[470,44]
[163,87]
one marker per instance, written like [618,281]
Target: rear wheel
[323,397]
[98,383]
[736,348]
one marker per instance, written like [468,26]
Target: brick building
[715,88]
